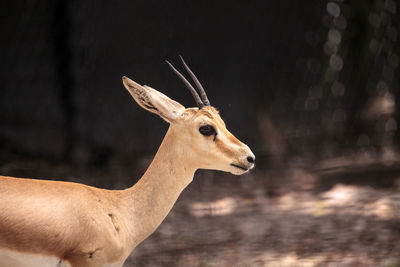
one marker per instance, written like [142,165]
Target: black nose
[250,159]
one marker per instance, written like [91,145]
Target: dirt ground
[334,216]
[340,213]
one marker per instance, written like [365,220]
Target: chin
[238,171]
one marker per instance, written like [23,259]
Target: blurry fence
[312,79]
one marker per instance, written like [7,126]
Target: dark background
[290,78]
[311,86]
[62,93]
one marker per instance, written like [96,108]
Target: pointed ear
[153,101]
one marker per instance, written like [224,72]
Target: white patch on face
[10,258]
[117,264]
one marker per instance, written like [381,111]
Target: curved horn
[196,96]
[203,94]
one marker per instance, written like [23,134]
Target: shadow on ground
[333,214]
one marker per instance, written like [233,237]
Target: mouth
[239,167]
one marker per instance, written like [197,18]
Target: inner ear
[154,101]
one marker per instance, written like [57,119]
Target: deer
[57,223]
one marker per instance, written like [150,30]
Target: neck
[149,201]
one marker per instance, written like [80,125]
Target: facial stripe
[231,138]
[228,144]
[224,148]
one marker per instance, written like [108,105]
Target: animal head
[200,130]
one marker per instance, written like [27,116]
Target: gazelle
[53,223]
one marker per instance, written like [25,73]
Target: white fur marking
[117,264]
[10,258]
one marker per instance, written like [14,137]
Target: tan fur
[82,225]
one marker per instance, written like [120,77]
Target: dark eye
[207,130]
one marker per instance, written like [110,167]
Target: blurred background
[311,86]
